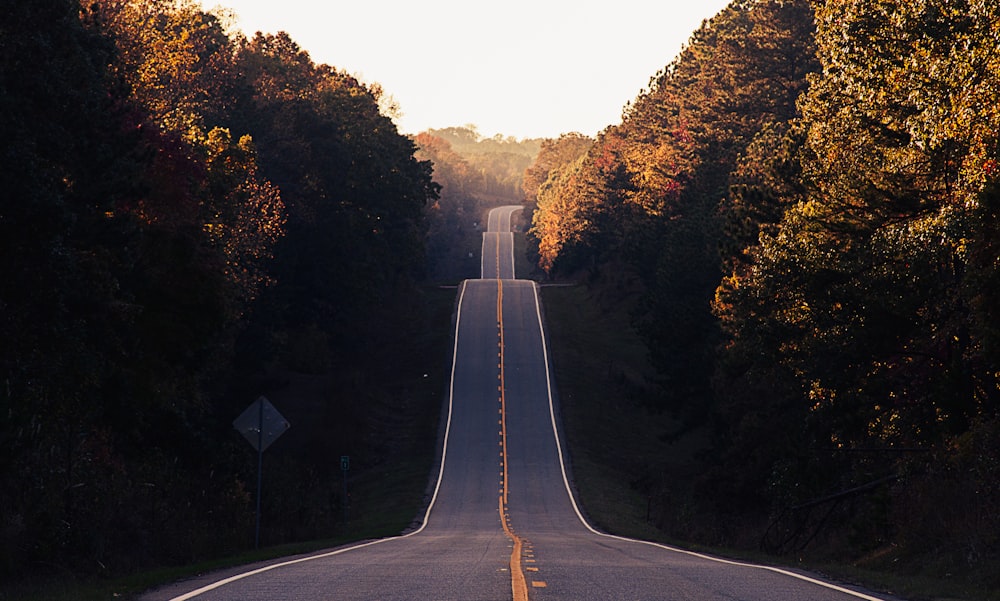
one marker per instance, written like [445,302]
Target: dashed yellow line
[518,583]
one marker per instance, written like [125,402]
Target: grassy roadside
[602,378]
[386,498]
[614,442]
[386,517]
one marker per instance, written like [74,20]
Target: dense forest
[802,212]
[188,217]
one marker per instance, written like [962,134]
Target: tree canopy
[805,201]
[185,211]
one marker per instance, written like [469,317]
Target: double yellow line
[519,585]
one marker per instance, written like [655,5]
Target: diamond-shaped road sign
[261,424]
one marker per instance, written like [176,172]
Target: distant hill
[467,140]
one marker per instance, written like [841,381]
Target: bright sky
[522,68]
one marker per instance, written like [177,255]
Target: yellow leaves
[564,204]
[218,140]
[658,172]
[819,396]
[886,425]
[919,80]
[551,223]
[795,313]
[175,57]
[246,144]
[240,212]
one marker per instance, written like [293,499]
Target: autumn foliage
[806,198]
[183,211]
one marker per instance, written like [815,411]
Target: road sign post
[345,466]
[261,424]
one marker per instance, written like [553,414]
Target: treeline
[474,173]
[495,165]
[805,203]
[185,213]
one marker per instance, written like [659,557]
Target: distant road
[503,523]
[498,245]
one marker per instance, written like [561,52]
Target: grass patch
[130,587]
[614,441]
[604,381]
[913,586]
[387,496]
[524,269]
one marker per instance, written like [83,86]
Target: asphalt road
[503,523]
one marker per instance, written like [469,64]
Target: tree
[553,154]
[138,226]
[176,59]
[554,185]
[354,193]
[889,178]
[741,73]
[854,295]
[246,216]
[94,270]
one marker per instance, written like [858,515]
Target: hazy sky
[523,68]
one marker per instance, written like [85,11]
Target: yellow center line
[518,583]
[498,256]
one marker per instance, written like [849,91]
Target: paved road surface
[503,524]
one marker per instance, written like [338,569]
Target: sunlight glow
[523,68]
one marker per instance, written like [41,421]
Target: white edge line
[513,272]
[482,259]
[572,499]
[510,212]
[495,215]
[510,236]
[427,514]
